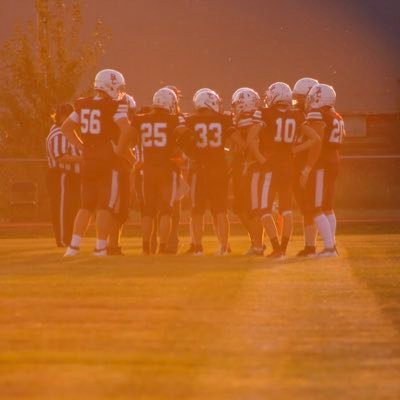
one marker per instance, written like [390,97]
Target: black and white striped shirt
[57,146]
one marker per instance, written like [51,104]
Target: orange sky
[225,44]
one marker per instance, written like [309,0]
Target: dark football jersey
[211,130]
[156,139]
[334,132]
[280,133]
[96,117]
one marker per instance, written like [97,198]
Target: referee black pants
[64,191]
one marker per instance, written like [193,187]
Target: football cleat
[198,253]
[111,82]
[191,249]
[100,252]
[337,252]
[327,253]
[223,252]
[278,93]
[254,251]
[308,251]
[114,251]
[276,255]
[320,95]
[71,251]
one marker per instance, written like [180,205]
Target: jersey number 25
[154,134]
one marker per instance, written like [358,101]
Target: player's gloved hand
[304,176]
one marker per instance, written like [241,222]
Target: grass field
[200,328]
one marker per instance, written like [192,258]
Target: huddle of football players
[271,150]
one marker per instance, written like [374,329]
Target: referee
[63,178]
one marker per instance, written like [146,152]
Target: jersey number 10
[285,130]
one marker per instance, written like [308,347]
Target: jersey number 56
[90,121]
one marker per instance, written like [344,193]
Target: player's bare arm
[69,159]
[185,140]
[312,139]
[253,140]
[318,127]
[237,140]
[125,137]
[69,129]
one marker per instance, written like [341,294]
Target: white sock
[332,223]
[101,244]
[324,230]
[76,240]
[310,235]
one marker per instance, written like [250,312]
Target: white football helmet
[166,99]
[303,86]
[278,92]
[111,82]
[245,100]
[301,89]
[201,90]
[320,95]
[207,98]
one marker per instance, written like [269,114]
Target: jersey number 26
[337,132]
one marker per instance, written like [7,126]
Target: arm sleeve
[258,117]
[121,112]
[314,116]
[59,145]
[74,116]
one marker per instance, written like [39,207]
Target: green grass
[182,327]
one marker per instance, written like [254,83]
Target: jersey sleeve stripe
[75,117]
[245,122]
[314,115]
[122,108]
[120,115]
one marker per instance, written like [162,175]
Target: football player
[92,128]
[156,134]
[304,162]
[321,185]
[300,91]
[245,102]
[209,177]
[121,211]
[173,241]
[273,141]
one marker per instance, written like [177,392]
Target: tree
[41,66]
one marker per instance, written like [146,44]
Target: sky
[225,44]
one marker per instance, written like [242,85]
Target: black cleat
[114,251]
[308,251]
